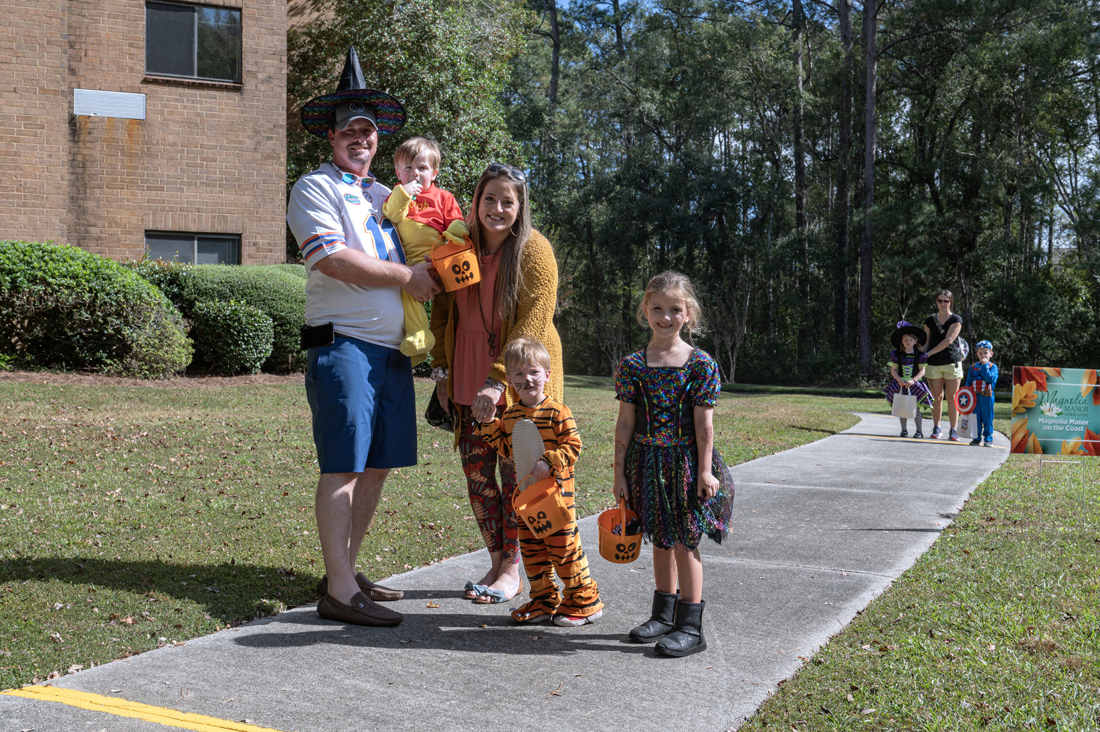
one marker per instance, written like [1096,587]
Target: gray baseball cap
[346,113]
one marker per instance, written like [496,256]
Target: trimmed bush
[278,290]
[170,278]
[231,337]
[297,270]
[63,307]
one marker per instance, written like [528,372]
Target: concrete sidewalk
[818,532]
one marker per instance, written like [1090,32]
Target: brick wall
[208,158]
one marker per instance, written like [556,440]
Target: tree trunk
[800,184]
[1050,240]
[866,248]
[618,20]
[555,55]
[841,213]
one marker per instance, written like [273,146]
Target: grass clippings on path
[135,516]
[997,627]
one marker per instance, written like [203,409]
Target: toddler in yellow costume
[422,212]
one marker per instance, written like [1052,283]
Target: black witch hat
[905,328]
[319,115]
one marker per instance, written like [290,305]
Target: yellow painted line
[134,710]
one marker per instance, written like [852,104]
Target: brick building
[134,125]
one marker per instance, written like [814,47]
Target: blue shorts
[364,407]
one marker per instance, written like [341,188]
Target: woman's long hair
[509,281]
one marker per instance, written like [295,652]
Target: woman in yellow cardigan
[516,297]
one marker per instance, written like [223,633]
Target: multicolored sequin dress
[662,459]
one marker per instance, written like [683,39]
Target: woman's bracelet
[439,374]
[494,384]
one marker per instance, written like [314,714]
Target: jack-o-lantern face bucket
[456,265]
[542,507]
[616,545]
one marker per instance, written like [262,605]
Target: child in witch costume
[423,213]
[528,365]
[665,462]
[983,377]
[907,370]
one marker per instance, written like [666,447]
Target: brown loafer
[378,593]
[361,611]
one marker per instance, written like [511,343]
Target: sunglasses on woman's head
[944,302]
[514,172]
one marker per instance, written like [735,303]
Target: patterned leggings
[918,420]
[492,506]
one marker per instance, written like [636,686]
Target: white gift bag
[904,406]
[967,426]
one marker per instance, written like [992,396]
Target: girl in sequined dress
[665,462]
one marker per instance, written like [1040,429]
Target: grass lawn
[137,516]
[997,627]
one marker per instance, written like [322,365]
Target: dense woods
[820,169]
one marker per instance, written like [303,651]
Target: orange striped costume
[561,551]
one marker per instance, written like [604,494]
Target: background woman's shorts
[945,371]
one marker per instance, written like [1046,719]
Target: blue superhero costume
[983,377]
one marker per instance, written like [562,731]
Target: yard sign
[1055,411]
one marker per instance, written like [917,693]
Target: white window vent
[108,104]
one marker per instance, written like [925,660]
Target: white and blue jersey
[330,210]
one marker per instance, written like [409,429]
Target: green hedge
[232,337]
[279,290]
[63,307]
[170,278]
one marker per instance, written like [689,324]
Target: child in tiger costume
[528,365]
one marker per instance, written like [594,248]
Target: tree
[446,60]
[676,135]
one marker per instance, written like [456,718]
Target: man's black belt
[315,336]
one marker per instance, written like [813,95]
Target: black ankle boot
[660,622]
[688,636]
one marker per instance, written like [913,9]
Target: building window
[193,248]
[193,41]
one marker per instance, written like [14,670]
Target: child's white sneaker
[574,621]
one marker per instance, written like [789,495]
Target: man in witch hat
[358,383]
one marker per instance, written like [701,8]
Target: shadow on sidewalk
[443,630]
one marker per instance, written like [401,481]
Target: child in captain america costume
[983,377]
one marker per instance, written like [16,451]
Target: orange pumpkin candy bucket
[619,546]
[456,264]
[541,506]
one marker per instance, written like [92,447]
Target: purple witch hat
[319,114]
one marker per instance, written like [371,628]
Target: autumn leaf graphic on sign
[1088,383]
[1019,434]
[1072,447]
[1025,374]
[1023,396]
[1091,442]
[1022,440]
